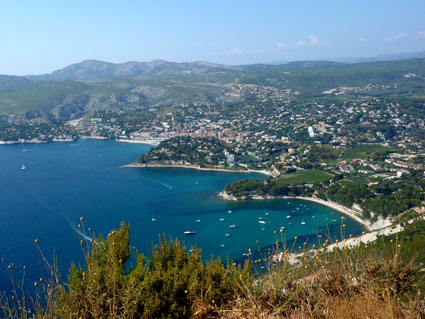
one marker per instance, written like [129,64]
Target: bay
[64,181]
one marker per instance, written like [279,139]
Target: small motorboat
[288,217]
[23,167]
[221,219]
[232,226]
[262,222]
[303,223]
[190,232]
[229,211]
[227,235]
[198,220]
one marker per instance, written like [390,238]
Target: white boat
[262,222]
[229,211]
[153,219]
[190,232]
[222,245]
[303,223]
[221,219]
[267,214]
[288,217]
[263,229]
[232,226]
[23,167]
[260,217]
[228,235]
[198,220]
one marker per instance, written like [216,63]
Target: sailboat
[23,167]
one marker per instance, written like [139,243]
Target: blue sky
[45,35]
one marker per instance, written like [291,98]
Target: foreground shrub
[163,285]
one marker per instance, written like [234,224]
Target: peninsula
[208,154]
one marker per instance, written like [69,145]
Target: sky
[45,35]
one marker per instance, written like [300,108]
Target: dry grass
[362,282]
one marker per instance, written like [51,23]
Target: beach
[352,242]
[379,224]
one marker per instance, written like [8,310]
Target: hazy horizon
[43,37]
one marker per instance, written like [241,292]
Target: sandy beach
[365,238]
[353,214]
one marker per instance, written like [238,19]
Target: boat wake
[66,218]
[159,183]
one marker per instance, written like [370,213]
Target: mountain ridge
[91,85]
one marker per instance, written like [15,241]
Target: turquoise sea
[64,181]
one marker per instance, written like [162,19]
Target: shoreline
[146,142]
[380,224]
[350,243]
[54,140]
[137,165]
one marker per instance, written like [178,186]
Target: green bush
[163,285]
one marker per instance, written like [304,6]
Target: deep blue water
[64,181]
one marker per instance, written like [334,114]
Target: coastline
[353,214]
[23,142]
[146,142]
[352,242]
[138,165]
[54,140]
